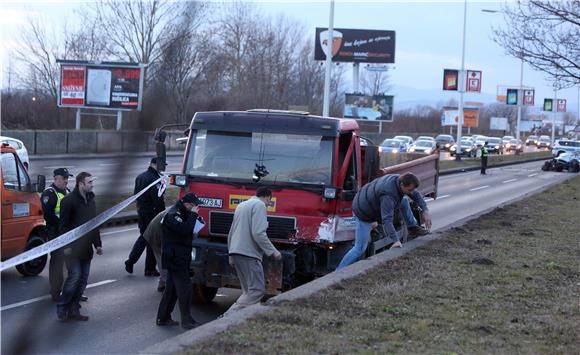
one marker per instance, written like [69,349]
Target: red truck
[314,166]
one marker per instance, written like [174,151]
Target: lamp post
[461,86]
[521,88]
[326,104]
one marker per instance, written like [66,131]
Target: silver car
[18,145]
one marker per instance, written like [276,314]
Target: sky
[428,39]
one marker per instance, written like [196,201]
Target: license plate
[211,202]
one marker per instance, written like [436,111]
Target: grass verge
[492,160]
[507,282]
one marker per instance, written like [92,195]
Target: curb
[207,330]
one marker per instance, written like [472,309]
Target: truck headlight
[180,180]
[329,192]
[193,253]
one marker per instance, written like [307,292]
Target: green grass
[492,160]
[505,283]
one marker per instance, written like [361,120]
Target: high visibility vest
[484,151]
[59,196]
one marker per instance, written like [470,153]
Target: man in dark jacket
[77,208]
[50,199]
[177,227]
[378,201]
[148,206]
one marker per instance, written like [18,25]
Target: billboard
[529,97]
[473,81]
[512,97]
[548,105]
[349,45]
[111,86]
[561,105]
[450,117]
[498,123]
[377,107]
[450,79]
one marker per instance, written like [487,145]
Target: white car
[408,141]
[565,145]
[20,149]
[423,146]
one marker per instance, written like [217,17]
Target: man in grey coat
[153,235]
[247,243]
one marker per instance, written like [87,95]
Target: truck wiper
[199,178]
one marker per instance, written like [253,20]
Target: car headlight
[412,150]
[428,151]
[395,151]
[453,148]
[447,145]
[508,145]
[380,149]
[468,149]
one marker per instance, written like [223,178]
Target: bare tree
[375,82]
[545,35]
[500,110]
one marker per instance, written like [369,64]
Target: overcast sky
[428,39]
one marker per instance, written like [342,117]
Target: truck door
[348,182]
[16,205]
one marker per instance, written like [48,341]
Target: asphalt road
[122,307]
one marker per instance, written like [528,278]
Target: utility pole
[329,43]
[461,86]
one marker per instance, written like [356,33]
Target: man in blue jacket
[378,201]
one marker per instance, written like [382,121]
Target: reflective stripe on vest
[59,196]
[484,151]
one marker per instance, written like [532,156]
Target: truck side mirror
[161,156]
[40,183]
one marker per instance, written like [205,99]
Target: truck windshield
[305,159]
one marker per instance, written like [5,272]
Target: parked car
[468,148]
[566,161]
[494,145]
[423,146]
[408,141]
[21,150]
[565,145]
[544,142]
[445,141]
[532,140]
[515,145]
[391,145]
[506,139]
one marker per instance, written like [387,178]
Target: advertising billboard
[377,107]
[512,97]
[349,45]
[450,79]
[561,105]
[548,105]
[473,81]
[450,117]
[498,123]
[110,86]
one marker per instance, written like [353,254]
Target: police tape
[76,233]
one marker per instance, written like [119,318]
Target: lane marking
[23,303]
[479,188]
[109,164]
[220,295]
[534,174]
[429,199]
[120,231]
[510,180]
[444,196]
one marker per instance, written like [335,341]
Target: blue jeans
[74,286]
[363,234]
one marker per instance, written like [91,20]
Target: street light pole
[329,43]
[461,86]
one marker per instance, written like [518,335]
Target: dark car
[445,141]
[468,148]
[515,145]
[494,145]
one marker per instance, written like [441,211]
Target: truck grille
[278,227]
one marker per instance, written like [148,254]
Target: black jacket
[177,228]
[74,211]
[150,203]
[48,200]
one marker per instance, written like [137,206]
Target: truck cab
[22,218]
[314,167]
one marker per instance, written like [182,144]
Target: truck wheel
[202,293]
[34,266]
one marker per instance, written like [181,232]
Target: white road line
[510,180]
[444,196]
[23,303]
[120,231]
[534,174]
[220,295]
[479,188]
[428,199]
[109,164]
[61,166]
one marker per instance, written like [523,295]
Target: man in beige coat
[153,235]
[247,243]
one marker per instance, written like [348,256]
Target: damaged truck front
[314,166]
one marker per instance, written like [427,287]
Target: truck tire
[202,293]
[34,266]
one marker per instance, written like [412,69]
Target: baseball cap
[62,172]
[190,197]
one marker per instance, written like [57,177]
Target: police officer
[50,201]
[177,227]
[148,206]
[484,155]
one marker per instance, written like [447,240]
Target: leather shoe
[189,325]
[151,273]
[78,317]
[417,231]
[169,321]
[84,298]
[128,266]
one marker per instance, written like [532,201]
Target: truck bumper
[210,267]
